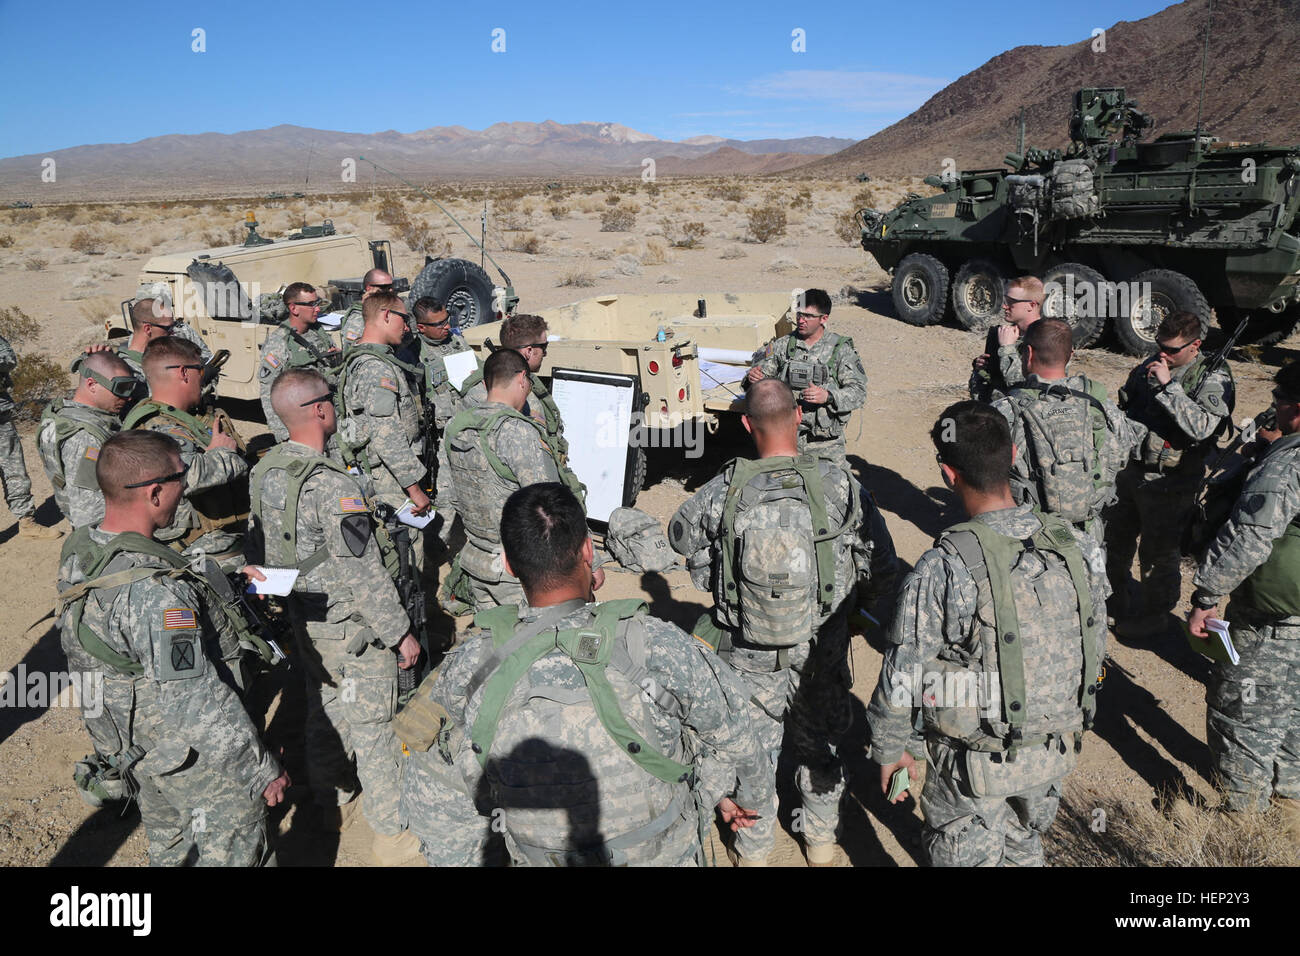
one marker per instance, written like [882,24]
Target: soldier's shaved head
[148,311]
[292,388]
[1052,342]
[107,364]
[168,350]
[130,457]
[377,303]
[376,277]
[770,406]
[502,366]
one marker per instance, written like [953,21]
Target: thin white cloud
[863,91]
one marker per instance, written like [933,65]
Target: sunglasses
[123,386]
[160,481]
[195,368]
[535,345]
[809,315]
[1172,349]
[327,397]
[159,325]
[1012,302]
[310,305]
[381,287]
[401,315]
[434,325]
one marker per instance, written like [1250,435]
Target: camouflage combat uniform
[349,619]
[540,407]
[1251,721]
[982,805]
[1156,493]
[566,793]
[804,690]
[1069,422]
[478,493]
[70,438]
[284,348]
[13,469]
[210,517]
[202,766]
[822,428]
[1005,369]
[438,390]
[352,327]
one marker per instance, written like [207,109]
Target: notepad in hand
[279,581]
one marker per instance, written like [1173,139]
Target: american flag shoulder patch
[175,618]
[272,360]
[388,383]
[352,335]
[92,452]
[352,505]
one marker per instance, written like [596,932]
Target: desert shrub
[733,252]
[6,241]
[766,223]
[847,228]
[667,279]
[417,235]
[656,253]
[782,264]
[512,222]
[802,199]
[67,212]
[729,192]
[36,380]
[652,190]
[617,220]
[17,326]
[628,265]
[232,236]
[25,216]
[525,242]
[392,212]
[865,198]
[35,263]
[576,278]
[684,236]
[558,211]
[613,199]
[87,241]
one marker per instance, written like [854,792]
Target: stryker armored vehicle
[1119,229]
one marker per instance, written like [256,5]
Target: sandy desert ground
[69,269]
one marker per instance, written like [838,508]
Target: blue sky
[123,71]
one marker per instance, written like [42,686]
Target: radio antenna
[1205,56]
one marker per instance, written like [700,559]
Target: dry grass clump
[728,192]
[1098,829]
[618,219]
[781,264]
[88,241]
[803,199]
[576,278]
[558,211]
[656,253]
[767,223]
[733,252]
[525,242]
[6,241]
[847,228]
[686,236]
[35,263]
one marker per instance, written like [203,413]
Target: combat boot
[28,528]
[820,854]
[395,849]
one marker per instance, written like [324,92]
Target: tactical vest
[93,558]
[218,509]
[303,354]
[778,549]
[550,411]
[353,450]
[1274,587]
[485,425]
[1065,466]
[1020,679]
[1166,442]
[581,770]
[792,346]
[58,424]
[280,526]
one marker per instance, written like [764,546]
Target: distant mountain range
[295,157]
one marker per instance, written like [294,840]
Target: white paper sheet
[331,320]
[406,516]
[718,373]
[1220,628]
[279,581]
[460,366]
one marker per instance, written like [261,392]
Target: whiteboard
[596,408]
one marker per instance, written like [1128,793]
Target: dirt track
[1151,728]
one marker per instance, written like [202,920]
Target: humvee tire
[636,472]
[1270,328]
[920,289]
[463,287]
[1087,325]
[978,292]
[1170,292]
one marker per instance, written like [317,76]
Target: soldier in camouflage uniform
[998,641]
[211,516]
[353,631]
[297,342]
[151,319]
[1184,410]
[1070,439]
[823,368]
[598,735]
[1251,721]
[796,666]
[13,468]
[153,633]
[354,322]
[162,292]
[73,430]
[527,335]
[1022,306]
[488,452]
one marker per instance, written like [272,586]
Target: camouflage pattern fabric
[823,425]
[540,407]
[80,500]
[204,768]
[351,696]
[711,727]
[13,468]
[1005,370]
[940,618]
[1068,424]
[1251,722]
[439,806]
[808,702]
[385,417]
[352,327]
[478,494]
[210,471]
[438,389]
[183,330]
[1155,496]
[280,351]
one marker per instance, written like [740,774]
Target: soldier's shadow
[864,802]
[930,510]
[664,606]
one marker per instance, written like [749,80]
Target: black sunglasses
[159,325]
[1012,302]
[196,368]
[404,315]
[327,397]
[1172,350]
[535,345]
[380,286]
[434,325]
[160,481]
[311,305]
